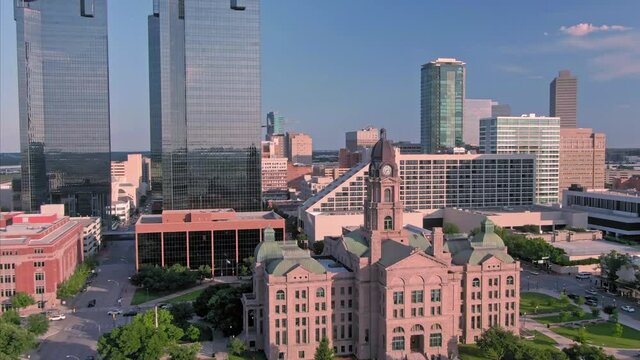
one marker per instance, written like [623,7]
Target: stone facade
[383,291]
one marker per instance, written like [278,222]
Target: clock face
[386,170]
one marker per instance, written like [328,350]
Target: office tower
[498,109]
[63,84]
[299,148]
[582,155]
[474,110]
[441,104]
[275,124]
[155,106]
[210,103]
[279,146]
[527,134]
[563,102]
[360,139]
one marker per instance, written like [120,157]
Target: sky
[333,66]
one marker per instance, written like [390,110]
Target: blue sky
[331,66]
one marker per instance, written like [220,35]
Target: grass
[555,319]
[545,304]
[192,296]
[602,335]
[543,341]
[470,352]
[142,296]
[249,355]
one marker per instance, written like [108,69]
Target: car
[130,313]
[92,303]
[583,275]
[591,291]
[534,273]
[56,317]
[628,308]
[114,312]
[591,303]
[572,296]
[163,305]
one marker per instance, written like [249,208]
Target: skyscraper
[582,158]
[442,104]
[474,110]
[275,124]
[210,103]
[563,92]
[63,84]
[155,105]
[360,139]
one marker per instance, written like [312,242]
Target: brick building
[385,290]
[582,155]
[37,252]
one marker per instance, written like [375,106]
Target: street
[77,335]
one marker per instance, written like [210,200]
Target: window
[280,295]
[277,309]
[304,294]
[39,289]
[38,251]
[398,297]
[417,327]
[435,295]
[417,296]
[397,343]
[297,294]
[301,354]
[435,340]
[320,293]
[39,276]
[387,195]
[388,224]
[510,280]
[398,330]
[38,264]
[475,282]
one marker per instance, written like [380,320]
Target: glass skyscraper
[275,124]
[209,103]
[155,104]
[442,89]
[63,84]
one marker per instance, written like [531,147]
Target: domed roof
[487,238]
[268,249]
[383,149]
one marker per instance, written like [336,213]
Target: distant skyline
[328,71]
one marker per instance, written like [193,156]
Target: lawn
[554,319]
[545,304]
[470,352]
[192,296]
[543,341]
[602,335]
[142,296]
[249,355]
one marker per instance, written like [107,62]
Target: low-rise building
[121,209]
[91,234]
[37,253]
[220,238]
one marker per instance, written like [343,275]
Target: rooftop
[206,215]
[516,209]
[41,233]
[595,247]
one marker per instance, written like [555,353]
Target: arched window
[510,280]
[475,282]
[388,196]
[397,343]
[279,295]
[388,223]
[320,293]
[436,327]
[398,330]
[417,327]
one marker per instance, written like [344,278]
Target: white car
[56,317]
[114,312]
[628,308]
[591,292]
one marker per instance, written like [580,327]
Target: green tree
[324,351]
[182,313]
[610,264]
[581,300]
[193,333]
[22,300]
[497,342]
[184,352]
[614,317]
[200,305]
[225,310]
[141,339]
[581,337]
[578,313]
[10,316]
[586,352]
[450,228]
[237,346]
[205,272]
[37,324]
[14,341]
[564,300]
[318,247]
[564,316]
[595,311]
[617,330]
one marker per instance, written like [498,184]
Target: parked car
[583,275]
[163,305]
[572,296]
[114,312]
[628,308]
[130,313]
[591,302]
[591,291]
[92,303]
[56,317]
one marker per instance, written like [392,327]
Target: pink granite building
[383,291]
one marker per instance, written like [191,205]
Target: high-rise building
[582,155]
[527,134]
[299,148]
[563,102]
[155,106]
[63,84]
[498,109]
[474,110]
[275,124]
[279,146]
[210,103]
[441,104]
[360,139]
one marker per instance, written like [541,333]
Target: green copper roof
[283,266]
[393,252]
[356,243]
[268,249]
[487,238]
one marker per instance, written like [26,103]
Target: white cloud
[583,29]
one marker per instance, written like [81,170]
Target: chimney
[438,242]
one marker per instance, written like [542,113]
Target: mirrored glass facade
[155,106]
[441,104]
[63,84]
[210,103]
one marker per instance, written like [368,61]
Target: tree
[225,310]
[237,346]
[200,305]
[182,313]
[595,312]
[497,341]
[37,324]
[564,316]
[193,333]
[14,340]
[610,264]
[318,247]
[324,351]
[564,299]
[581,337]
[579,313]
[450,228]
[185,352]
[22,300]
[11,317]
[586,352]
[617,330]
[581,300]
[205,272]
[141,339]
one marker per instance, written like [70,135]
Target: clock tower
[382,207]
